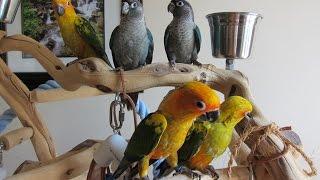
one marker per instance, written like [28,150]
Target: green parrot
[77,32]
[207,140]
[162,133]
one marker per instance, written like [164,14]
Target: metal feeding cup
[232,35]
[8,10]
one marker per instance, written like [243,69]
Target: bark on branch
[95,73]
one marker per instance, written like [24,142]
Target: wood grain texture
[68,166]
[17,95]
[95,73]
[15,137]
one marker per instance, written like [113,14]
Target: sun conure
[208,140]
[77,32]
[163,132]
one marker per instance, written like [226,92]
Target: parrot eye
[68,3]
[134,5]
[180,4]
[201,105]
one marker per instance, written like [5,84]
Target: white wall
[283,70]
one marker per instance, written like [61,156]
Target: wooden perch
[40,96]
[238,173]
[15,137]
[75,163]
[68,166]
[17,95]
[95,73]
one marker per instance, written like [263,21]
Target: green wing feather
[197,36]
[144,140]
[88,33]
[146,137]
[191,146]
[151,47]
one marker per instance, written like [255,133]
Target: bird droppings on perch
[74,76]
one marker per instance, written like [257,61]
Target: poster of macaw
[39,22]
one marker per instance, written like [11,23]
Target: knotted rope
[128,98]
[267,130]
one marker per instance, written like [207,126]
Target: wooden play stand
[92,77]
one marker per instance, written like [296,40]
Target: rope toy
[267,130]
[128,98]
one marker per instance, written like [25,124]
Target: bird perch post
[92,77]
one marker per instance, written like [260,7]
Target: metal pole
[230,64]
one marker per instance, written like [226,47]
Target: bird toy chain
[116,123]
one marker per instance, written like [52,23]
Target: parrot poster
[163,132]
[208,140]
[77,32]
[182,39]
[131,42]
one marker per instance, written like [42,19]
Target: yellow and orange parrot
[207,140]
[77,32]
[162,133]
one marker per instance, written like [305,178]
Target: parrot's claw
[188,172]
[172,64]
[211,171]
[197,63]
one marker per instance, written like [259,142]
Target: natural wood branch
[26,166]
[15,137]
[40,96]
[67,166]
[238,173]
[93,72]
[17,95]
[75,164]
[25,44]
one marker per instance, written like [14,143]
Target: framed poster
[36,19]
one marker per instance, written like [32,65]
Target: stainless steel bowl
[232,34]
[8,10]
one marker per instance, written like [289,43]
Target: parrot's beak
[125,8]
[171,7]
[60,10]
[213,115]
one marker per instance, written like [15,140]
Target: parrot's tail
[134,97]
[161,168]
[135,170]
[123,166]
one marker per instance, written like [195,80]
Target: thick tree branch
[95,73]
